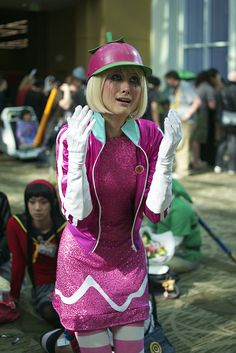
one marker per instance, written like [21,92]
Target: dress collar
[130,129]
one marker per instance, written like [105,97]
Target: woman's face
[121,91]
[39,208]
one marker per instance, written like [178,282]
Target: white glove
[160,193]
[79,127]
[172,137]
[78,202]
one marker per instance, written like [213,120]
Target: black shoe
[48,340]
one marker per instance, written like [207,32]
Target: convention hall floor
[203,318]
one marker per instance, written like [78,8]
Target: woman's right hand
[65,87]
[79,128]
[77,203]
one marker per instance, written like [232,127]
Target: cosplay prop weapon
[221,244]
[46,114]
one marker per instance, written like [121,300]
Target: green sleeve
[178,220]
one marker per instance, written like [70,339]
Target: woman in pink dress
[111,168]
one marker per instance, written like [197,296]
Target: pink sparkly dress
[108,287]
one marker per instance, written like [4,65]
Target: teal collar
[130,129]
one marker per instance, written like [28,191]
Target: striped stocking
[129,338]
[94,341]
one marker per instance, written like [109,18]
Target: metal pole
[222,245]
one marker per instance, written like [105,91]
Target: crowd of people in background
[206,105]
[202,101]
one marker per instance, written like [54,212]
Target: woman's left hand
[160,193]
[172,135]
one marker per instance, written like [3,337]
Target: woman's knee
[96,341]
[129,338]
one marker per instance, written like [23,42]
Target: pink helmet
[113,54]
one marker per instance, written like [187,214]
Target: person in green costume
[182,221]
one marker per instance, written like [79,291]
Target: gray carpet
[203,319]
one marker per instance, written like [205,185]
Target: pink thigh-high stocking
[129,338]
[126,339]
[94,341]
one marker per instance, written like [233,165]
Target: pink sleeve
[16,241]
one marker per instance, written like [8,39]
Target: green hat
[186,75]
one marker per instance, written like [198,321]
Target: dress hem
[85,323]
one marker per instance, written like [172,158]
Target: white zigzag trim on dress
[90,282]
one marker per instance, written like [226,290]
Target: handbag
[166,284]
[8,311]
[155,340]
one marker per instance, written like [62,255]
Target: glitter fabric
[117,270]
[116,189]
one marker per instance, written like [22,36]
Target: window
[206,35]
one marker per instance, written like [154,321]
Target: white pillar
[167,36]
[232,36]
[160,37]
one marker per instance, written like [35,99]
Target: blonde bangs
[95,88]
[94,94]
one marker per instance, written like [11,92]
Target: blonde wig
[95,88]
